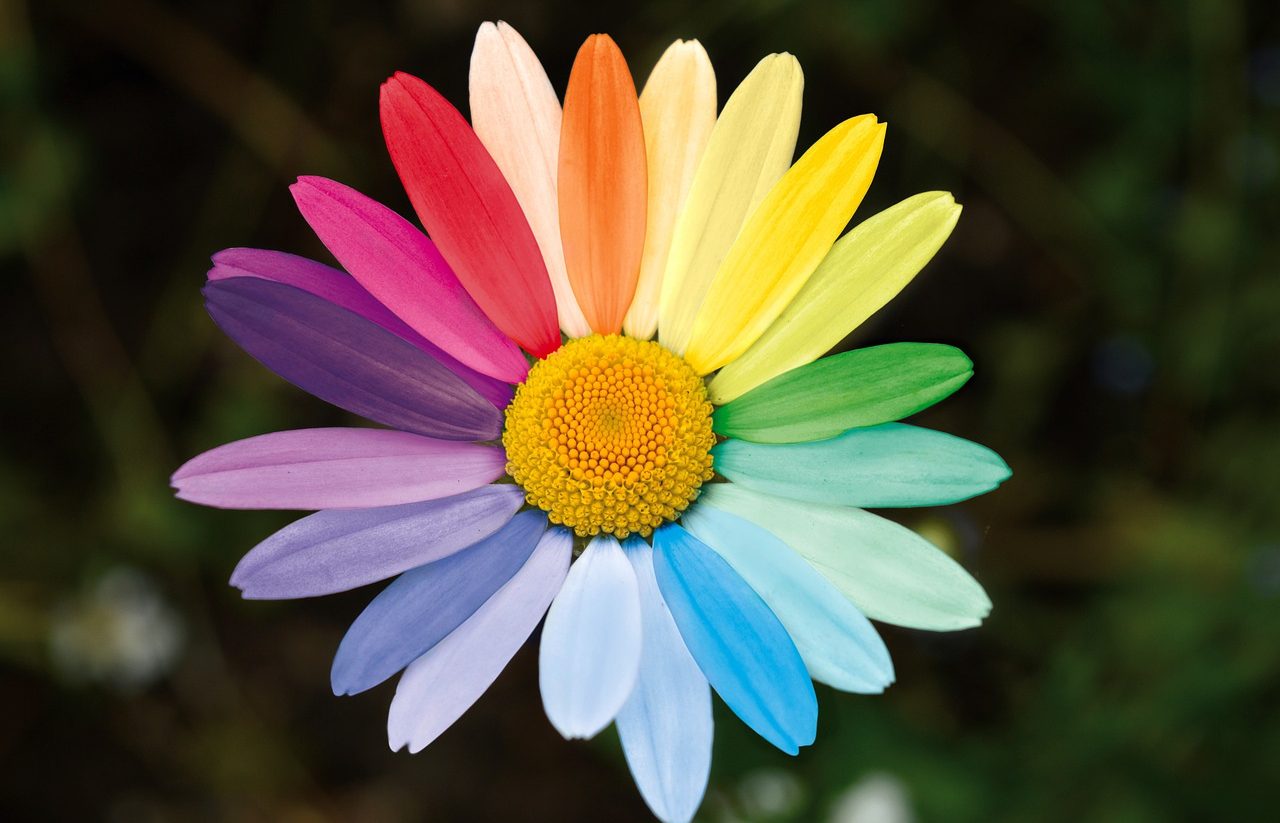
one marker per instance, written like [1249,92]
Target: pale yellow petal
[750,148]
[864,271]
[678,109]
[784,240]
[516,115]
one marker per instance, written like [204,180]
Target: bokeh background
[1115,276]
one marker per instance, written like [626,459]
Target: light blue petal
[422,606]
[837,643]
[591,642]
[737,641]
[889,466]
[665,726]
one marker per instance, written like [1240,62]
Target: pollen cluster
[610,435]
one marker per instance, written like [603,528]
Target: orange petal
[602,182]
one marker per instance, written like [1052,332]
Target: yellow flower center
[610,435]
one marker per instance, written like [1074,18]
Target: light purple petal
[424,605]
[333,551]
[335,469]
[342,290]
[398,265]
[348,361]
[440,686]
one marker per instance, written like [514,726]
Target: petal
[338,550]
[440,686]
[739,644]
[343,291]
[591,642]
[887,466]
[678,109]
[400,267]
[889,572]
[784,240]
[665,726]
[470,211]
[863,387]
[516,115]
[749,150]
[863,271]
[424,605]
[335,469]
[838,644]
[348,361]
[602,183]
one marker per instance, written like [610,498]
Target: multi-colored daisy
[532,417]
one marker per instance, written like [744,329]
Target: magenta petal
[333,551]
[342,290]
[335,469]
[398,265]
[348,361]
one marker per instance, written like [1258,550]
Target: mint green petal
[891,573]
[892,465]
[863,387]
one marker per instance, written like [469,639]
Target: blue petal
[738,642]
[422,606]
[590,648]
[665,726]
[836,641]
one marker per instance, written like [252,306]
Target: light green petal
[893,574]
[864,270]
[863,387]
[887,466]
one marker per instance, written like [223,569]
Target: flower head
[515,340]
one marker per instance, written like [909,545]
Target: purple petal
[335,469]
[342,290]
[337,550]
[399,266]
[348,361]
[422,606]
[440,686]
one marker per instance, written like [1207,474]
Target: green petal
[863,387]
[888,466]
[893,574]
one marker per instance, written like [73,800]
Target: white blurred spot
[878,797]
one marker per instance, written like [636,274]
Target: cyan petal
[888,571]
[838,644]
[440,686]
[422,606]
[888,466]
[739,644]
[666,725]
[591,642]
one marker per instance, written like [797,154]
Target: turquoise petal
[665,726]
[838,644]
[889,466]
[590,650]
[889,572]
[737,641]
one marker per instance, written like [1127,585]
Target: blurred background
[1115,276]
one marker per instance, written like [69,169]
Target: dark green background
[1114,276]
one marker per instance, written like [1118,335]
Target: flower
[561,241]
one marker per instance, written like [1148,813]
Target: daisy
[622,304]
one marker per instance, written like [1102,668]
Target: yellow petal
[750,148]
[516,115]
[864,270]
[678,109]
[784,240]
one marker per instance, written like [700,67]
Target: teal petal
[737,641]
[889,572]
[665,726]
[889,466]
[838,644]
